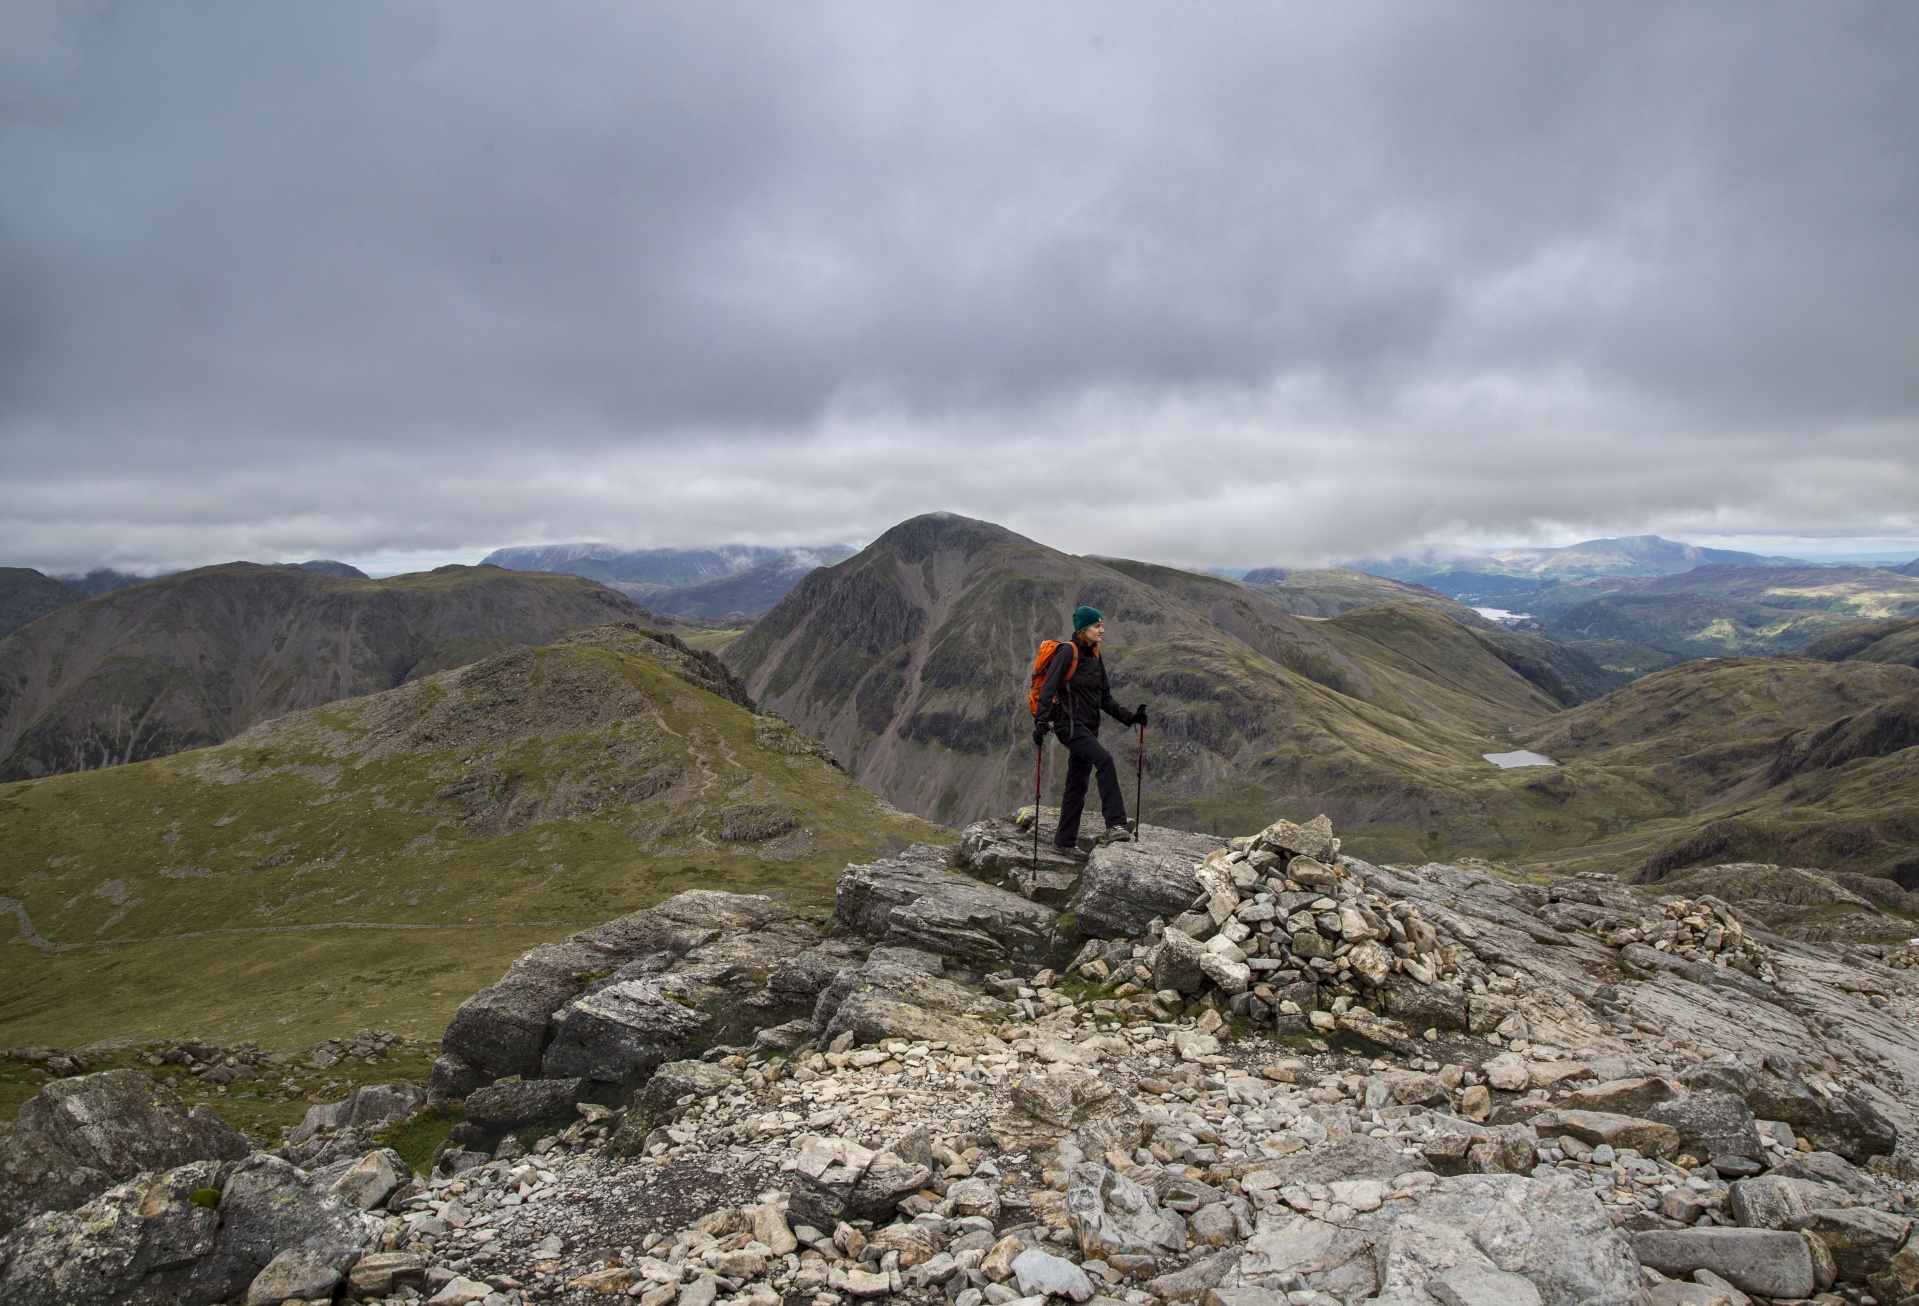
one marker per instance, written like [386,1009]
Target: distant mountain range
[1481,573]
[27,595]
[1723,611]
[609,562]
[193,659]
[739,581]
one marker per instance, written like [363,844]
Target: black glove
[1039,734]
[1139,716]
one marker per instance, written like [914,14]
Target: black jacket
[1085,696]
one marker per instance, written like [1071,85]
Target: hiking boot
[1117,834]
[1072,850]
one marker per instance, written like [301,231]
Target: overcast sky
[1210,283]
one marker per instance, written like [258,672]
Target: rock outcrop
[1217,1072]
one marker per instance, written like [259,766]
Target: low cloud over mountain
[1218,287]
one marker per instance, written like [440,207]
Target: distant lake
[1518,757]
[1499,614]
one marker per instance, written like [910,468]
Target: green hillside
[195,658]
[376,860]
[1870,641]
[1783,760]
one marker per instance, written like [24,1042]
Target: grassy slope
[1705,739]
[1894,641]
[587,782]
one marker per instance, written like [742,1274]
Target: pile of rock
[369,1045]
[1704,930]
[1284,930]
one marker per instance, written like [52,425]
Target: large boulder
[1710,1124]
[268,1206]
[1764,1262]
[1772,1201]
[1124,886]
[1423,1006]
[838,1179]
[140,1242]
[368,1182]
[1103,1118]
[915,901]
[369,1107]
[1520,1239]
[1111,1215]
[1177,963]
[621,1033]
[892,996]
[36,1174]
[125,1121]
[504,1028]
[1648,1137]
[1634,1096]
[1862,1241]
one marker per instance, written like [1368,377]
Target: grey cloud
[1297,281]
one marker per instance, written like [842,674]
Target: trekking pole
[1139,783]
[1039,768]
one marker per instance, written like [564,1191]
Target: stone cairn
[1283,929]
[1704,930]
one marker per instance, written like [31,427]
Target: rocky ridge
[948,1089]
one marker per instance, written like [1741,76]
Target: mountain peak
[918,538]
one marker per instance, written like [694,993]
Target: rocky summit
[1236,1072]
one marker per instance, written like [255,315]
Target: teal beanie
[1084,616]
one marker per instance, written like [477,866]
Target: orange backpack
[1041,661]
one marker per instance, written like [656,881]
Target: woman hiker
[1071,698]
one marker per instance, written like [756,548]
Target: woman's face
[1095,633]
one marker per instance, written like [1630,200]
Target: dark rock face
[143,1241]
[1847,1123]
[508,1106]
[123,1122]
[1126,885]
[502,1030]
[506,1028]
[914,900]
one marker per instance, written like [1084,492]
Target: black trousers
[1086,755]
